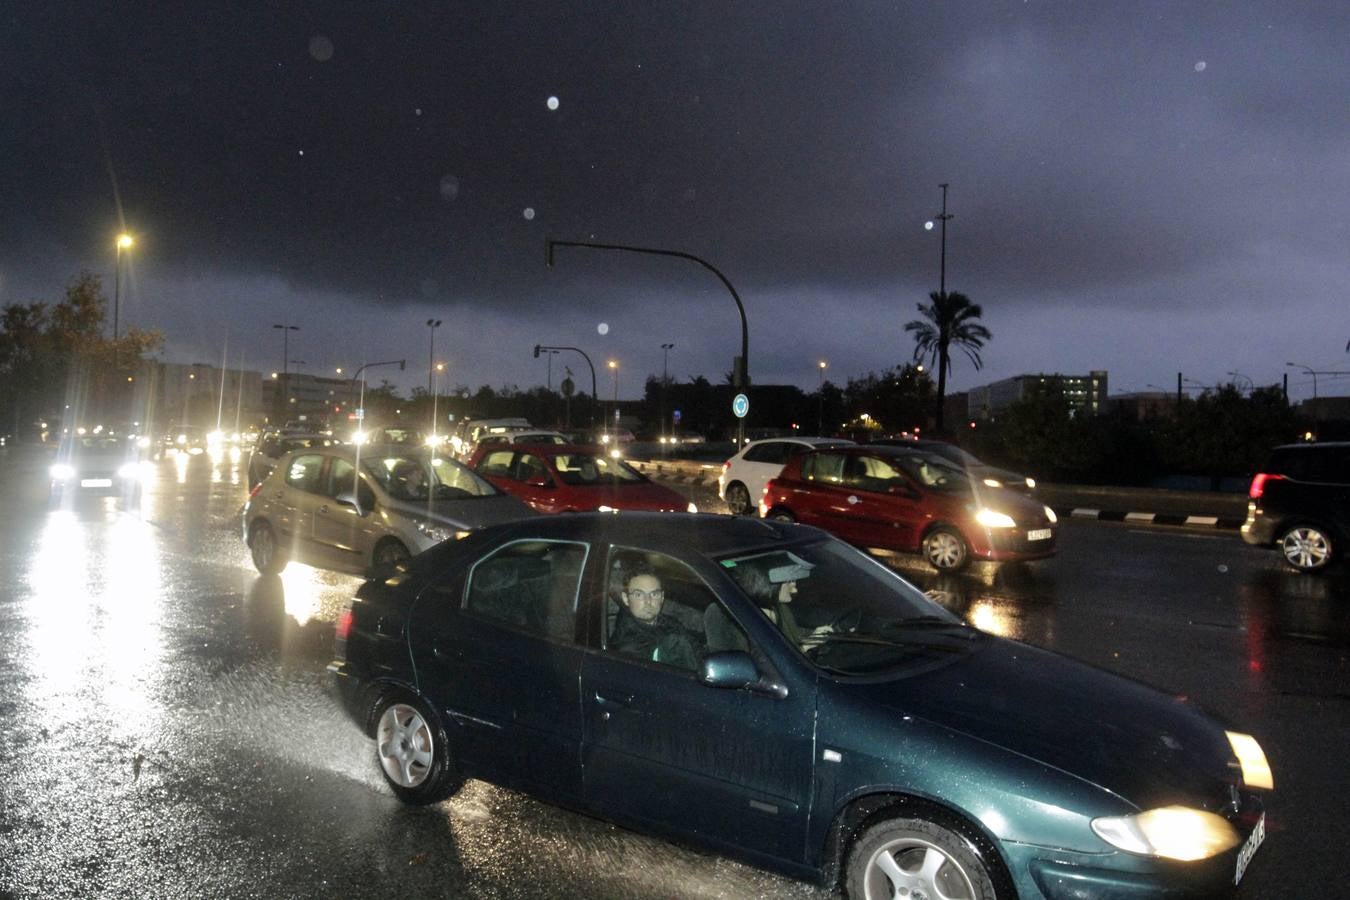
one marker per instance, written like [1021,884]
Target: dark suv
[1300,504]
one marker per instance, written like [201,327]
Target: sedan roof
[712,535]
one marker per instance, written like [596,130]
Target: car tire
[389,552]
[738,499]
[268,557]
[413,751]
[915,857]
[778,514]
[1307,548]
[946,550]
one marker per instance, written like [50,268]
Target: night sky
[1144,188]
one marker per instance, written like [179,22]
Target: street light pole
[285,363]
[432,325]
[665,384]
[614,407]
[595,395]
[124,242]
[820,424]
[740,373]
[1310,371]
[942,217]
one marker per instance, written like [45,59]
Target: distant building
[1085,394]
[312,397]
[1145,405]
[198,394]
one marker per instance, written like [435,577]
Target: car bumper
[997,547]
[1258,530]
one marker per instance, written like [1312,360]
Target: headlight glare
[1050,514]
[1031,484]
[993,482]
[693,507]
[129,470]
[991,518]
[1171,832]
[62,472]
[1255,770]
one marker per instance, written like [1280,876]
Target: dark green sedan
[766,690]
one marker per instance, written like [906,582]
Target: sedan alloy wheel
[1306,548]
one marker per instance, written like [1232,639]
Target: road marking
[1202,520]
[1139,517]
[1087,513]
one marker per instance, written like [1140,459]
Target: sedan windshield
[425,477]
[587,468]
[846,612]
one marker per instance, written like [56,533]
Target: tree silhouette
[948,319]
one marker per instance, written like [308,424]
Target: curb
[1148,518]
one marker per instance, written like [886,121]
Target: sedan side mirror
[734,669]
[347,498]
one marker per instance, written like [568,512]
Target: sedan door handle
[623,700]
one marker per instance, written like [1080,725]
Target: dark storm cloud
[1099,153]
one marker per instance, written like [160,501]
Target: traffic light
[536,351]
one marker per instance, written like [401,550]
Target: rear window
[1327,464]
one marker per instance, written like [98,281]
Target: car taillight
[1259,484]
[344,624]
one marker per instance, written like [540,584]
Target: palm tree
[949,319]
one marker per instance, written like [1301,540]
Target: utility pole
[942,270]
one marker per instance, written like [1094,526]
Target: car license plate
[1249,849]
[1039,534]
[95,482]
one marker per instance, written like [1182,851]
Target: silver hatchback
[354,509]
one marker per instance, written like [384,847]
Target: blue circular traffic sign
[740,405]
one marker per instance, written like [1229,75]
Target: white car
[745,474]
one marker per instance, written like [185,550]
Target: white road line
[1139,517]
[1086,513]
[1202,520]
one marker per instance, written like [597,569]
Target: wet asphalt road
[166,731]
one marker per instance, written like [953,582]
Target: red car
[908,500]
[556,478]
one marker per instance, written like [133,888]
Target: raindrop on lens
[321,48]
[529,213]
[552,102]
[449,187]
[1200,66]
[1223,568]
[603,328]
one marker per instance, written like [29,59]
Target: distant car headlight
[143,442]
[1050,514]
[358,437]
[180,440]
[1171,832]
[993,482]
[437,531]
[692,507]
[616,453]
[1031,484]
[1255,770]
[991,518]
[62,472]
[130,471]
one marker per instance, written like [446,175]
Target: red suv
[563,478]
[902,499]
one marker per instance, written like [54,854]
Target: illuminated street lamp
[285,362]
[124,242]
[614,367]
[820,423]
[432,325]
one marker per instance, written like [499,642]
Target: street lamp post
[285,364]
[942,217]
[820,423]
[124,242]
[595,396]
[1251,385]
[665,385]
[614,408]
[741,370]
[432,325]
[1309,370]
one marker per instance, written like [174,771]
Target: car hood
[469,513]
[640,495]
[1147,747]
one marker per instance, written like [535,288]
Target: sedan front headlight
[1171,832]
[62,472]
[991,518]
[437,531]
[993,482]
[1255,770]
[129,471]
[1050,514]
[1031,484]
[693,507]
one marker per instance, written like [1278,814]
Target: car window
[304,472]
[826,467]
[769,452]
[588,468]
[1324,464]
[935,473]
[655,610]
[342,478]
[529,585]
[452,479]
[498,462]
[531,468]
[871,473]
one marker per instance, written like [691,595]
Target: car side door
[820,496]
[495,646]
[293,498]
[344,533]
[887,508]
[661,749]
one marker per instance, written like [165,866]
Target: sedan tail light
[1259,484]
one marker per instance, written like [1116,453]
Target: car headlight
[991,518]
[993,482]
[62,472]
[1255,770]
[1031,484]
[1050,514]
[692,507]
[437,531]
[1171,832]
[129,471]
